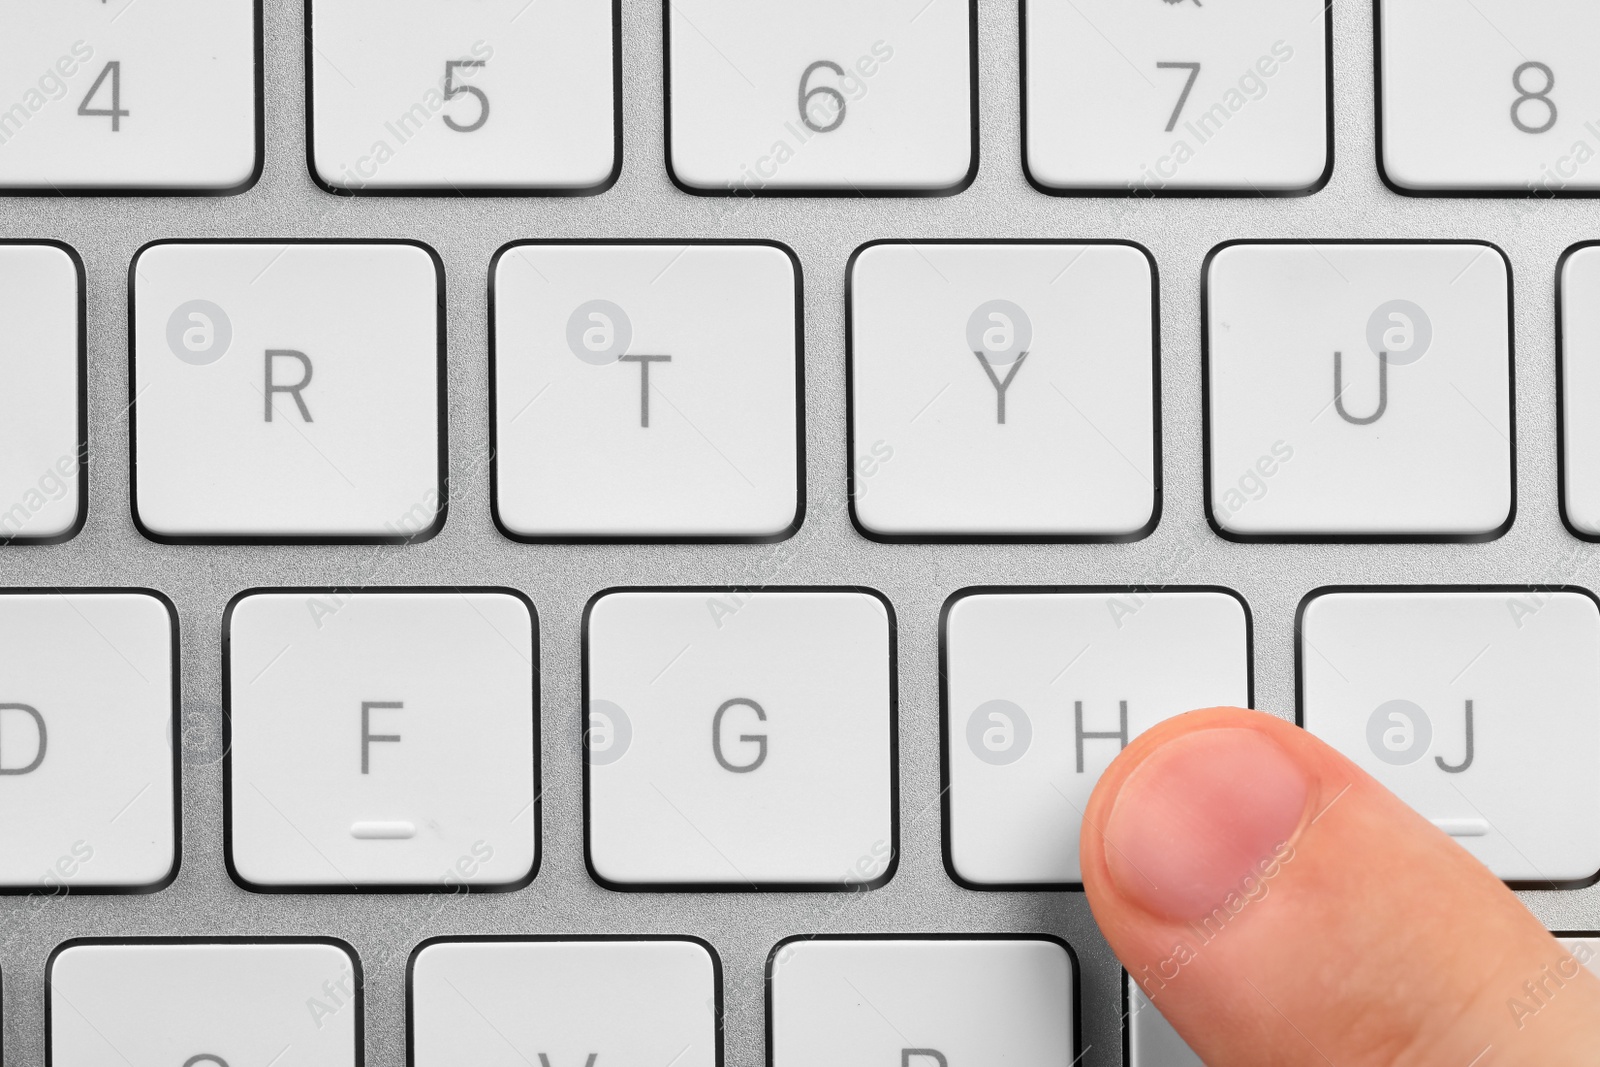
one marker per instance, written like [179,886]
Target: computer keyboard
[552,533]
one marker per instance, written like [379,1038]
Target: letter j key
[1479,707]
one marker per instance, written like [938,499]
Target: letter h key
[1119,734]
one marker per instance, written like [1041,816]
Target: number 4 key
[115,112]
[135,128]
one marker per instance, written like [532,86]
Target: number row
[654,391]
[826,97]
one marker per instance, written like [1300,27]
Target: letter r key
[287,391]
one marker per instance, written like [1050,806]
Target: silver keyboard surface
[826,550]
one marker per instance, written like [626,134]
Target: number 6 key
[831,97]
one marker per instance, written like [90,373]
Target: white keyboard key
[1151,1040]
[740,739]
[935,1002]
[647,391]
[1359,390]
[565,1003]
[1044,689]
[831,95]
[1146,98]
[382,739]
[88,712]
[43,432]
[130,95]
[452,96]
[288,391]
[1488,95]
[172,1001]
[1003,391]
[1480,708]
[1579,336]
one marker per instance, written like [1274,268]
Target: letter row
[655,391]
[747,740]
[916,1000]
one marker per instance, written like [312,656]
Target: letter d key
[40,732]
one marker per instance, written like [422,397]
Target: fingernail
[1199,817]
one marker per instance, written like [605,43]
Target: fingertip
[1227,852]
[1201,816]
[1147,756]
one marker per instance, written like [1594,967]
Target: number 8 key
[1489,96]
